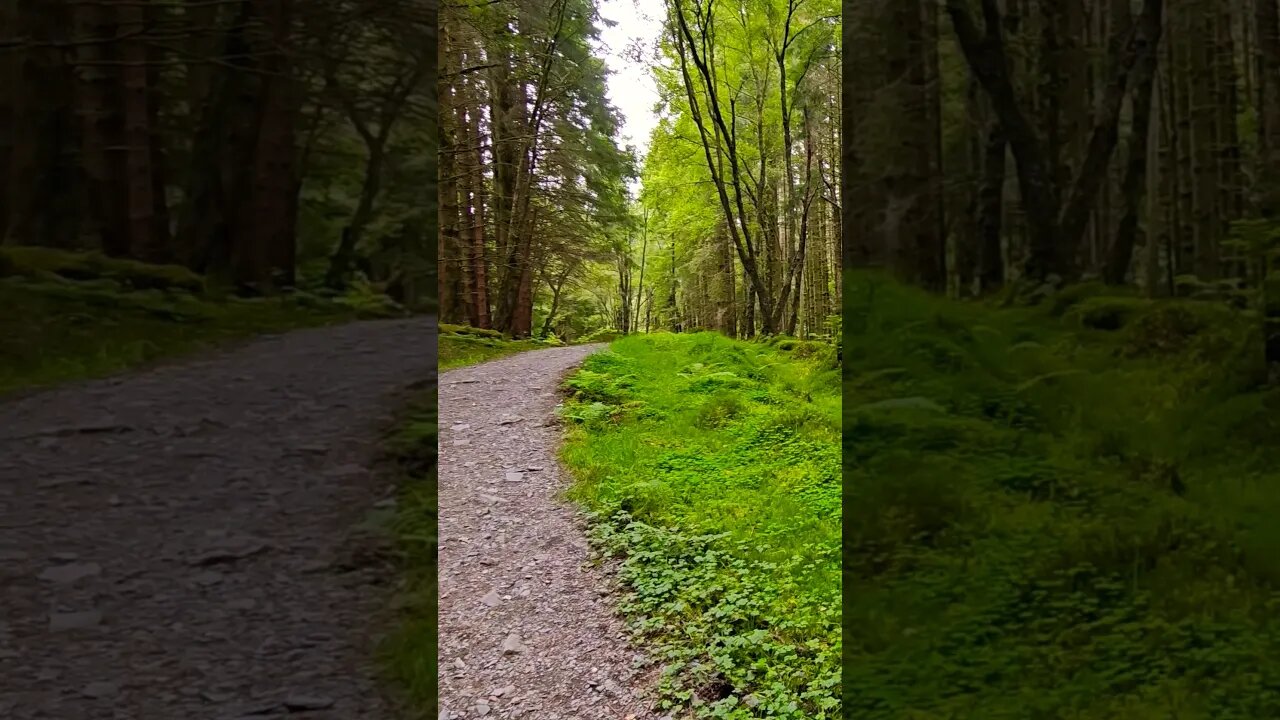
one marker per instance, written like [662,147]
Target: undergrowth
[711,467]
[71,315]
[464,345]
[1064,511]
[409,651]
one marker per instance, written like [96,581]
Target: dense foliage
[532,192]
[712,468]
[1058,511]
[266,144]
[739,205]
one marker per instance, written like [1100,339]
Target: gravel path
[527,628]
[183,542]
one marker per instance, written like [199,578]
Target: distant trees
[530,173]
[1060,139]
[216,134]
[742,176]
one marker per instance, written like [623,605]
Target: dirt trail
[527,628]
[181,543]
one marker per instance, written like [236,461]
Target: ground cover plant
[1058,511]
[77,315]
[409,650]
[464,345]
[711,467]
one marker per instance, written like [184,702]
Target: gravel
[178,543]
[528,627]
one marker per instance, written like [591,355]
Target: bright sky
[631,88]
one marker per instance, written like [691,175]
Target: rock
[491,599]
[515,477]
[512,645]
[262,708]
[300,703]
[460,427]
[63,574]
[100,690]
[59,621]
[459,663]
[510,421]
[491,499]
[208,578]
[348,470]
[534,468]
[223,555]
[215,697]
[482,709]
[499,692]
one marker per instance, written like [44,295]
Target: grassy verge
[409,653]
[69,316]
[462,345]
[712,469]
[1064,511]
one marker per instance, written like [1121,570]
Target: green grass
[464,345]
[711,467]
[1065,511]
[409,652]
[55,332]
[70,316]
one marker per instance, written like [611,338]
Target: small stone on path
[512,645]
[60,621]
[63,574]
[100,690]
[296,703]
[492,599]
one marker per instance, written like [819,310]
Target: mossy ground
[70,315]
[712,468]
[409,652]
[464,345]
[1065,511]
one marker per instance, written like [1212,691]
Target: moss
[1107,313]
[446,328]
[58,330]
[601,335]
[40,262]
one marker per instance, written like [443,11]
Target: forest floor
[527,627]
[461,345]
[1064,510]
[711,469]
[205,539]
[70,316]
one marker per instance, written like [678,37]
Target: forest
[1059,415]
[160,158]
[703,440]
[734,225]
